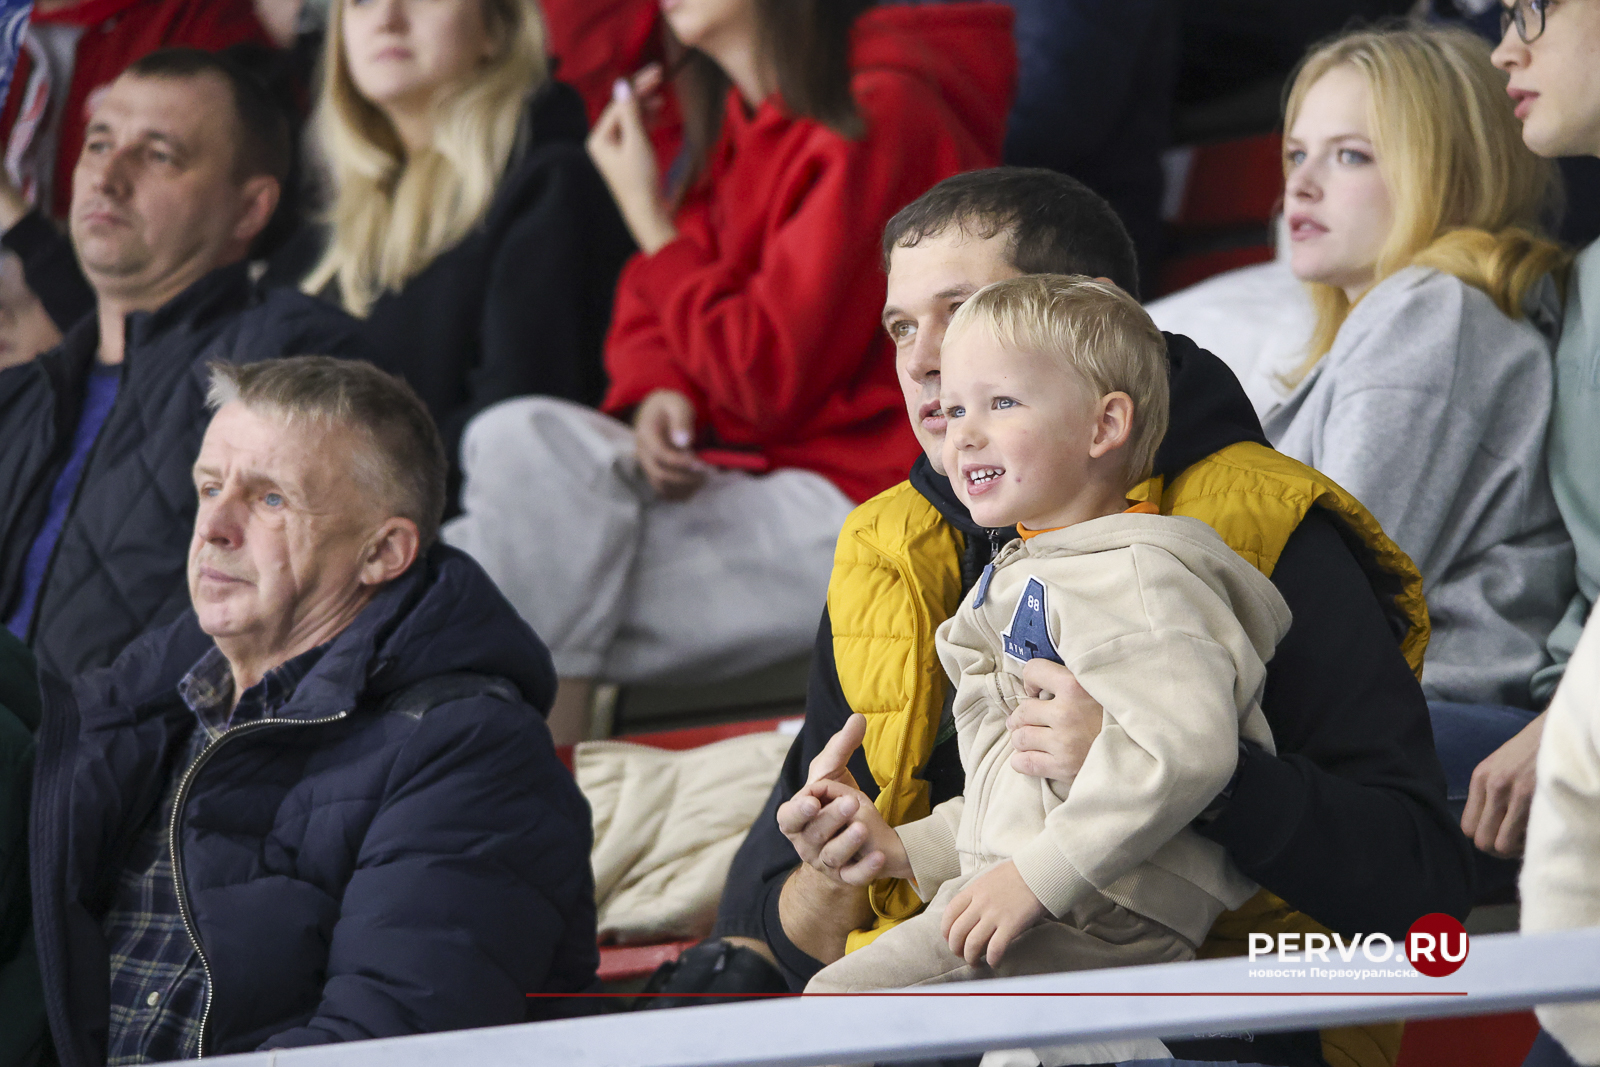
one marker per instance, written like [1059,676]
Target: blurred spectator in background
[180,172]
[595,42]
[72,51]
[1094,100]
[25,327]
[745,346]
[1414,212]
[467,226]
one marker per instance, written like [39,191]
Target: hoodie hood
[1209,411]
[966,52]
[443,615]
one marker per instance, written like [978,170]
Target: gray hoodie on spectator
[1431,408]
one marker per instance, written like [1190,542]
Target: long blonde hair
[1468,195]
[391,215]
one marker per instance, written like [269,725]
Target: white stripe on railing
[1503,972]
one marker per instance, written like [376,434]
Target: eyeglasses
[1527,16]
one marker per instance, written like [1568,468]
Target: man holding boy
[1347,821]
[1054,391]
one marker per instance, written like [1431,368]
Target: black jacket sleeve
[1348,822]
[51,267]
[749,905]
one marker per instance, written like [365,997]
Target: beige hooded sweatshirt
[1170,630]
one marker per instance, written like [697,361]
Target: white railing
[1503,972]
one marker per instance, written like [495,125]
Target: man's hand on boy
[989,914]
[1053,727]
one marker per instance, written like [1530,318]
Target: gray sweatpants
[1096,933]
[626,587]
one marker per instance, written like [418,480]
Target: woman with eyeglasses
[1415,215]
[1549,50]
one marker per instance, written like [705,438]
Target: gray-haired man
[323,804]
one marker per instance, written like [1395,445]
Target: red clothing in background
[115,33]
[595,42]
[765,310]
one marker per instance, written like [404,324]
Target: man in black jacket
[97,436]
[322,805]
[1347,822]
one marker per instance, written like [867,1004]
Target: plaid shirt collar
[207,690]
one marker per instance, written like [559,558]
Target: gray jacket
[1431,408]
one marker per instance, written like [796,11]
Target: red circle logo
[1437,945]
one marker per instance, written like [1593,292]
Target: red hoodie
[765,310]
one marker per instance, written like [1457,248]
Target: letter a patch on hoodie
[1028,636]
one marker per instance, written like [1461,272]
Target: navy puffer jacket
[350,872]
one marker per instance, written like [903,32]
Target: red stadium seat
[1231,191]
[1479,1040]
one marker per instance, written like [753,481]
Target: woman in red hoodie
[745,344]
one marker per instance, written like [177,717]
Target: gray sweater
[1431,408]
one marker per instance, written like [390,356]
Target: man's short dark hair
[1057,224]
[404,466]
[261,129]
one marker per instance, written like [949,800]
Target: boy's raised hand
[834,827]
[990,913]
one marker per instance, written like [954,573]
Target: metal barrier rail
[1503,972]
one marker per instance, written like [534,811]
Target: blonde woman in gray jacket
[1414,210]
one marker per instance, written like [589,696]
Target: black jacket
[349,870]
[1347,822]
[118,568]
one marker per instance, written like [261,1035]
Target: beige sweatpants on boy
[1096,933]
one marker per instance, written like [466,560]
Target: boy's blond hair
[1097,331]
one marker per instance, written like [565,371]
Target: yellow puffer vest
[897,576]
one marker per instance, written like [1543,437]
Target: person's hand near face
[623,153]
[26,329]
[1339,210]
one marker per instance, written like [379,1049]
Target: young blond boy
[1055,394]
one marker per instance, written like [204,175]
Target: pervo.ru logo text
[1435,946]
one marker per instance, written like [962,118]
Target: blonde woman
[1414,210]
[466,225]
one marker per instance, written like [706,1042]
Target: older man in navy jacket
[323,804]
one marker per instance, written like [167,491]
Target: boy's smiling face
[1025,436]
